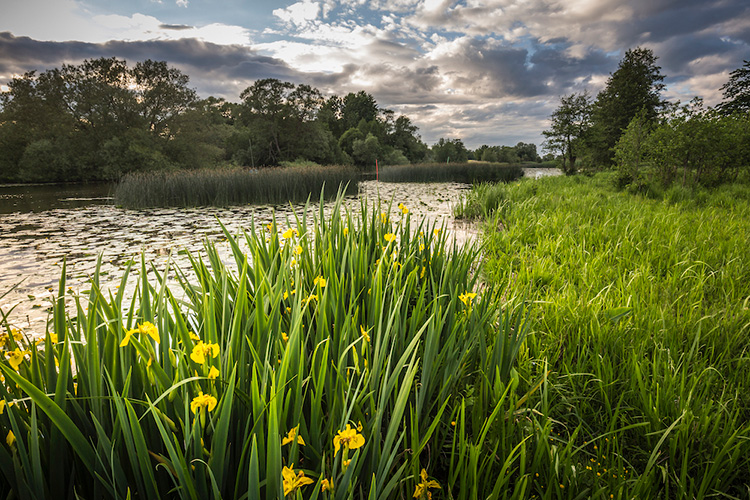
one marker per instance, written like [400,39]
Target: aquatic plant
[469,173]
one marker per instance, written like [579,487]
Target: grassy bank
[468,173]
[224,187]
[641,315]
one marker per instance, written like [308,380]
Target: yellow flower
[15,358]
[291,435]
[311,297]
[289,233]
[146,328]
[436,232]
[326,485]
[389,237]
[403,208]
[346,232]
[2,406]
[284,336]
[10,439]
[423,488]
[364,333]
[466,298]
[293,481]
[202,401]
[213,373]
[201,351]
[298,250]
[384,217]
[319,280]
[53,338]
[346,463]
[349,438]
[193,337]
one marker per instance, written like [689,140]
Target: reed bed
[346,359]
[641,315]
[467,173]
[233,186]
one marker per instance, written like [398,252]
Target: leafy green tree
[632,149]
[634,86]
[365,152]
[357,107]
[569,125]
[450,150]
[736,91]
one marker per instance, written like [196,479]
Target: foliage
[233,186]
[358,356]
[567,133]
[736,91]
[468,173]
[447,150]
[634,86]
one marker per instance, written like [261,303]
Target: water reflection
[21,198]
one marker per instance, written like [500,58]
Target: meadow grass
[641,315]
[233,186]
[468,173]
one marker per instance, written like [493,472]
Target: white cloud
[182,3]
[300,13]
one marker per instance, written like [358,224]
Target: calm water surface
[42,226]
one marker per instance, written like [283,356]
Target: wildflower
[298,250]
[326,485]
[453,423]
[389,237]
[436,232]
[53,338]
[17,334]
[311,297]
[2,406]
[466,298]
[193,337]
[15,358]
[201,351]
[147,328]
[213,373]
[202,401]
[384,217]
[10,439]
[319,280]
[346,232]
[292,481]
[364,333]
[346,463]
[291,436]
[403,208]
[423,488]
[284,336]
[421,275]
[349,438]
[3,339]
[289,233]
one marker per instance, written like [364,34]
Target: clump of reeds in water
[469,173]
[235,186]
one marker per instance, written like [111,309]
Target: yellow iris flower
[291,436]
[201,351]
[389,237]
[423,488]
[202,401]
[146,328]
[349,438]
[466,298]
[292,481]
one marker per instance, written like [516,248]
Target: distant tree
[634,86]
[631,149]
[357,107]
[526,152]
[737,91]
[569,124]
[450,150]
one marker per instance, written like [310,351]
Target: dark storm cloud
[214,69]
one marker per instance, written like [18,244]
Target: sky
[484,71]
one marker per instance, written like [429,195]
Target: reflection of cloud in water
[34,245]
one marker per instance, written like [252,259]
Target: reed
[468,173]
[360,353]
[232,186]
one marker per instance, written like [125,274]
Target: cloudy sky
[486,71]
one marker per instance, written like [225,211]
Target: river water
[42,226]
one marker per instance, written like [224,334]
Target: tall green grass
[468,173]
[236,186]
[364,327]
[641,314]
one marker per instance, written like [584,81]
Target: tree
[570,123]
[356,107]
[631,149]
[450,150]
[737,91]
[635,86]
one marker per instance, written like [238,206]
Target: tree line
[629,127]
[103,118]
